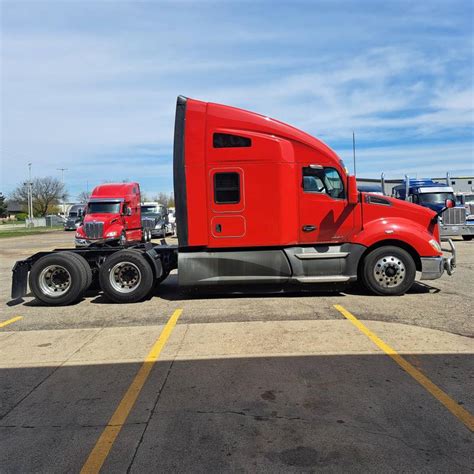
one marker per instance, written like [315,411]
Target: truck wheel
[467,237]
[58,279]
[82,261]
[388,270]
[126,277]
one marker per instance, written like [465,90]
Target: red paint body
[116,199]
[273,207]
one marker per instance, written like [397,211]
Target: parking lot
[332,380]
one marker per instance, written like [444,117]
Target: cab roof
[115,190]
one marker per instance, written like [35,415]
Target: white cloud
[71,96]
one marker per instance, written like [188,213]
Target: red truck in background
[113,216]
[258,202]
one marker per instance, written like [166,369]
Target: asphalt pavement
[330,380]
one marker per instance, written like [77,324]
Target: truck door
[325,215]
[227,204]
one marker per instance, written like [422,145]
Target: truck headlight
[435,244]
[111,234]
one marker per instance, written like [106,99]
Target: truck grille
[454,216]
[94,230]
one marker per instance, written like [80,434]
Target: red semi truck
[113,216]
[257,202]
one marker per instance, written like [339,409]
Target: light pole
[62,182]
[30,195]
[62,174]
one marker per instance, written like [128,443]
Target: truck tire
[467,237]
[126,277]
[58,279]
[82,261]
[388,270]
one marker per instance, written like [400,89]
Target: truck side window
[227,188]
[226,140]
[325,181]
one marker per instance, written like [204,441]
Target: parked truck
[433,195]
[74,217]
[113,217]
[258,202]
[158,214]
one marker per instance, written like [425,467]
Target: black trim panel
[179,174]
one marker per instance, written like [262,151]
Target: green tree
[47,194]
[3,206]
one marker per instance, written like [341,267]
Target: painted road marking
[106,440]
[10,321]
[458,411]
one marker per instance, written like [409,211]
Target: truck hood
[107,219]
[436,207]
[376,207]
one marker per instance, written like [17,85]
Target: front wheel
[388,270]
[126,277]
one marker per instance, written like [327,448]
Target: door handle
[218,228]
[309,228]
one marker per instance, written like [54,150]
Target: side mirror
[80,213]
[352,193]
[449,203]
[128,211]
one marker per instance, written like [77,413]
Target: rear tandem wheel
[59,278]
[126,277]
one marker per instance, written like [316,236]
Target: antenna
[354,150]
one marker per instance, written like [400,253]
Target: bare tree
[165,199]
[47,193]
[83,196]
[144,196]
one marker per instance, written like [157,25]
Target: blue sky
[91,86]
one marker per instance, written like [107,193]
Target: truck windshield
[149,210]
[104,208]
[469,198]
[435,198]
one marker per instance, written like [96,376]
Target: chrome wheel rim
[389,271]
[125,277]
[55,281]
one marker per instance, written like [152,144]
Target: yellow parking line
[459,412]
[106,440]
[10,321]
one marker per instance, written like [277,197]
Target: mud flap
[20,279]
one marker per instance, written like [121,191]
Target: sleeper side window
[227,188]
[323,180]
[226,140]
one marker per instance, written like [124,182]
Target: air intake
[94,230]
[454,216]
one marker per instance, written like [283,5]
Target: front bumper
[433,267]
[455,230]
[80,242]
